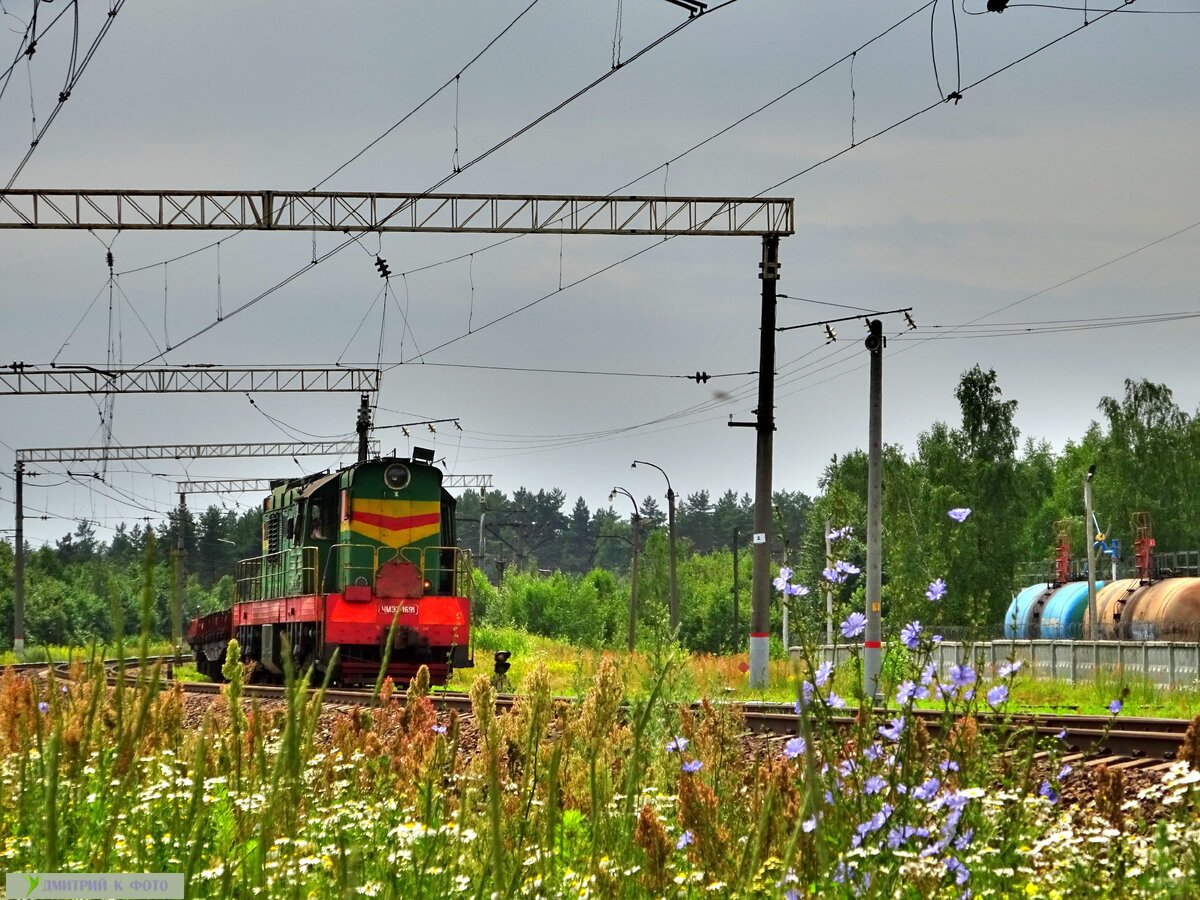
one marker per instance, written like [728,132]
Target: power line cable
[482,156]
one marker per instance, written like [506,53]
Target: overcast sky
[1066,161]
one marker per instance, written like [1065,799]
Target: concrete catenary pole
[180,573]
[19,564]
[872,641]
[760,587]
[1091,551]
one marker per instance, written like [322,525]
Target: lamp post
[633,568]
[673,604]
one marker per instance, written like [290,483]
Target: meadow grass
[619,793]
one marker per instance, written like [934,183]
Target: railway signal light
[382,266]
[502,663]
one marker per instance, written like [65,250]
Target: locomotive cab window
[397,476]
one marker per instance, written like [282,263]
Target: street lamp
[673,604]
[633,590]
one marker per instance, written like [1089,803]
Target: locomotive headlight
[396,476]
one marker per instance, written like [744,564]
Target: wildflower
[794,747]
[1115,707]
[937,590]
[892,731]
[846,568]
[937,639]
[960,872]
[43,707]
[927,673]
[910,635]
[793,894]
[677,745]
[806,691]
[962,676]
[833,576]
[785,576]
[824,670]
[959,514]
[833,701]
[874,785]
[1062,735]
[1011,668]
[685,839]
[927,790]
[839,533]
[439,729]
[809,825]
[694,766]
[846,768]
[1048,792]
[905,692]
[872,751]
[1064,771]
[997,696]
[948,765]
[795,590]
[854,625]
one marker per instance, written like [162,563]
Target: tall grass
[625,792]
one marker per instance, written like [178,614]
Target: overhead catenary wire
[479,158]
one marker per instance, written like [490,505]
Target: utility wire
[482,156]
[408,115]
[73,76]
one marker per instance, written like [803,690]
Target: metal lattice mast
[18,378]
[357,212]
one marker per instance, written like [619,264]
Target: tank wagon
[1162,603]
[350,558]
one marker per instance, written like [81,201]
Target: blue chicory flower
[1064,771]
[824,670]
[854,625]
[1048,792]
[937,590]
[962,676]
[833,576]
[43,707]
[839,533]
[785,575]
[1115,707]
[439,729]
[948,765]
[892,731]
[806,688]
[910,635]
[927,673]
[809,825]
[693,766]
[905,692]
[959,514]
[874,785]
[960,872]
[1011,668]
[997,696]
[795,590]
[833,701]
[963,841]
[677,745]
[794,747]
[927,790]
[846,568]
[685,840]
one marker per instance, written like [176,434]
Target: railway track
[1124,743]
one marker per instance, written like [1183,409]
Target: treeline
[563,570]
[79,588]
